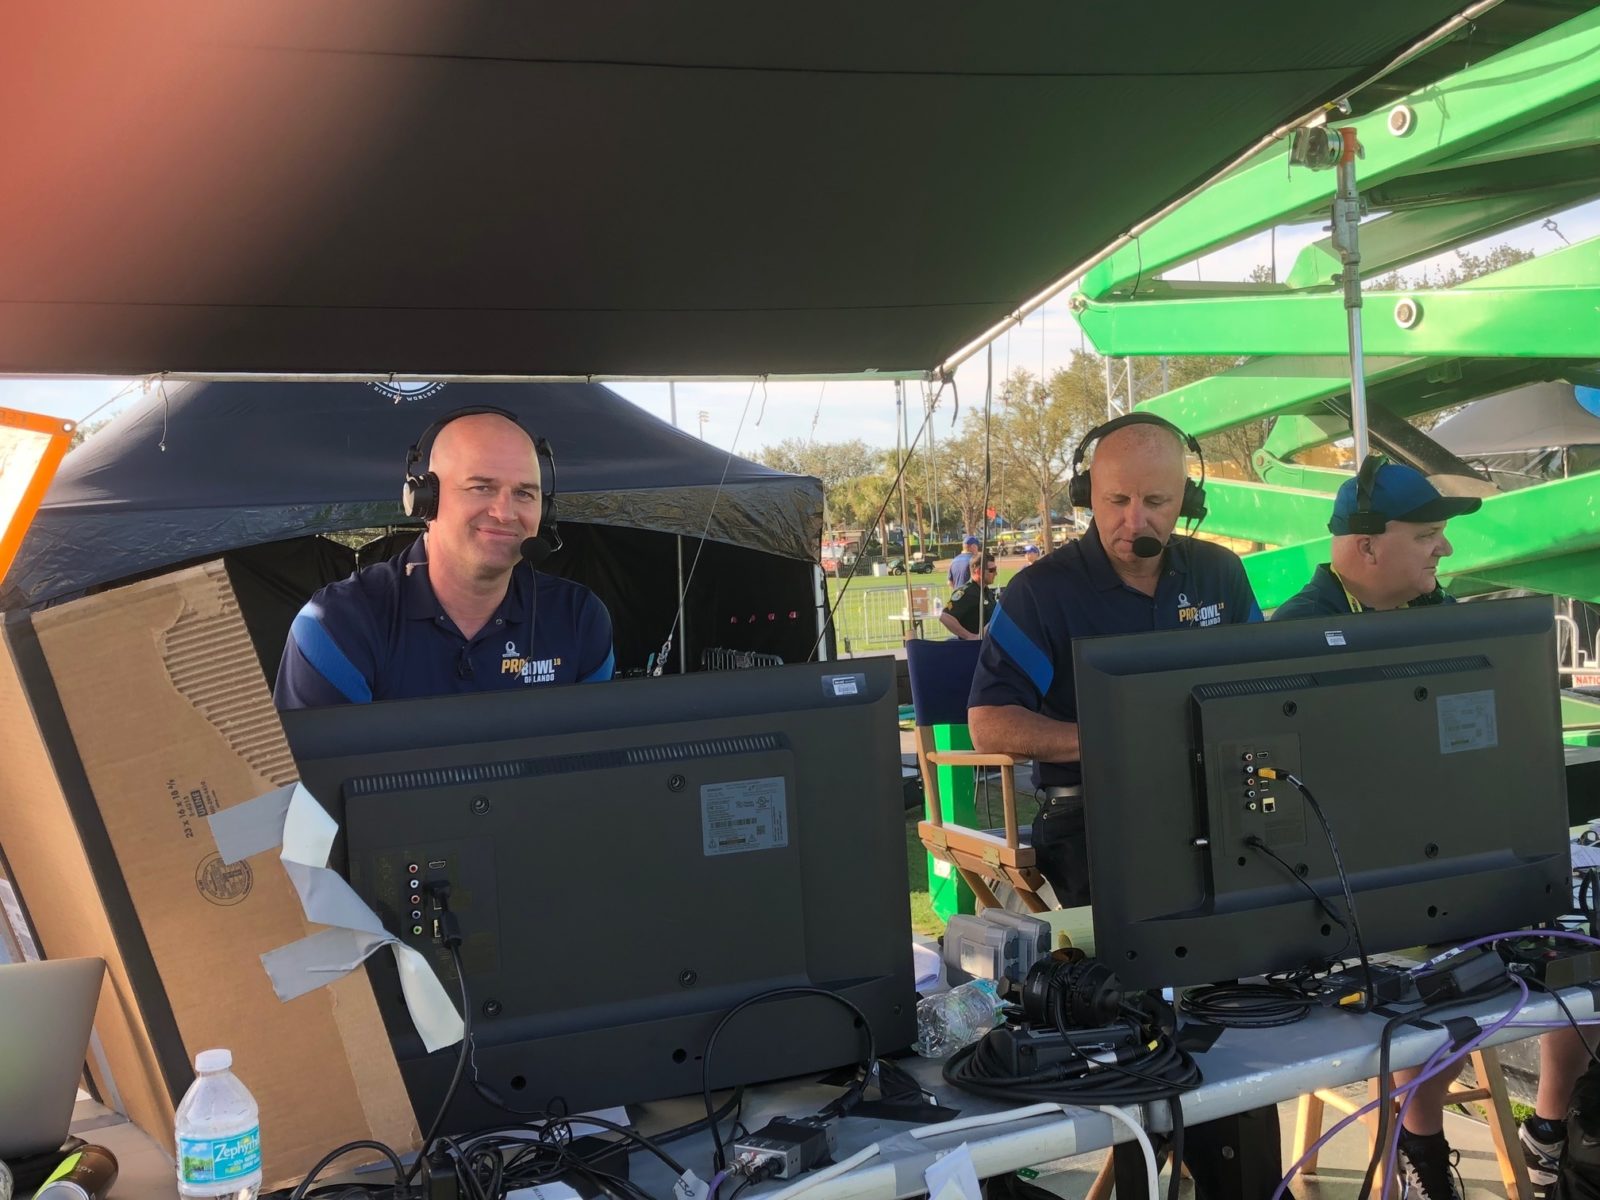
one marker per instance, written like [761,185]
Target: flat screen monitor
[1431,737]
[628,861]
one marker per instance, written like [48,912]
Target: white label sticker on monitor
[844,685]
[746,814]
[1467,722]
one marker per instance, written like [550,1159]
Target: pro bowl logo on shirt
[529,670]
[407,391]
[1200,614]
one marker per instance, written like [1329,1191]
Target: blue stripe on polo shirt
[1021,650]
[604,671]
[323,653]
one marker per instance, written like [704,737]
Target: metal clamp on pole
[1320,149]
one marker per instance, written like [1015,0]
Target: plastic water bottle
[5,1181]
[219,1133]
[956,1018]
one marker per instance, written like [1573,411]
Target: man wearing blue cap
[961,564]
[1388,537]
[1030,554]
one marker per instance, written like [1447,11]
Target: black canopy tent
[468,187]
[254,472]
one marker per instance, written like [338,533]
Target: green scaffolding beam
[1547,307]
[1499,98]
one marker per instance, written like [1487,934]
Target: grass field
[863,614]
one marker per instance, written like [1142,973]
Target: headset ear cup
[419,497]
[1078,489]
[1194,501]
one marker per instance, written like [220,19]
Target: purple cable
[1392,1155]
[717,1181]
[1428,1072]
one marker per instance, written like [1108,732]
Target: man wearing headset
[462,610]
[1127,574]
[1388,537]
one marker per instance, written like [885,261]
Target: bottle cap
[213,1060]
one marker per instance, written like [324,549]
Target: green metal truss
[1478,111]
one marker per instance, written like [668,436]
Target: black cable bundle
[1156,1070]
[1247,1005]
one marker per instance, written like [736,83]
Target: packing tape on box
[290,820]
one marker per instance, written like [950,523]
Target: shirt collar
[420,602]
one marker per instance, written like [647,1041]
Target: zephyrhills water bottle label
[217,1160]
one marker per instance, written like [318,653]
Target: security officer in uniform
[971,608]
[1127,574]
[462,610]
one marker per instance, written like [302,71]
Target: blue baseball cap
[1399,493]
[972,540]
[1030,548]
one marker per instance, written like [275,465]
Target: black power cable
[1247,1005]
[851,1096]
[1344,878]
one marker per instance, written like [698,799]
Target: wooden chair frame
[978,856]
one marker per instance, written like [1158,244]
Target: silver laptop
[46,1015]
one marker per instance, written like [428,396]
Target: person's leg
[1425,1156]
[1425,1117]
[1563,1056]
[1563,1059]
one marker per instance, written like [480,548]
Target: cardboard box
[125,719]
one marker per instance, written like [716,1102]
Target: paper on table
[290,817]
[1585,856]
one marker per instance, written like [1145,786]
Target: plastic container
[953,1019]
[218,1133]
[5,1181]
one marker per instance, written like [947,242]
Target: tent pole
[902,437]
[683,633]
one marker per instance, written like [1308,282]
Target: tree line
[1016,463]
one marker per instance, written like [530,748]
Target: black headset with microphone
[1193,507]
[419,495]
[1364,520]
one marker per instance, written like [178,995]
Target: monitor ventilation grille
[1253,687]
[1437,666]
[709,748]
[560,764]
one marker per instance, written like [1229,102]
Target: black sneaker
[1427,1168]
[1543,1158]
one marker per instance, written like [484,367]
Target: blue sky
[839,411]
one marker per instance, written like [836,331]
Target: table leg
[1237,1157]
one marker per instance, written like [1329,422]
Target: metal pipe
[179,376]
[1346,226]
[683,631]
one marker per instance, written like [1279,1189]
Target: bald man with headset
[462,610]
[1127,574]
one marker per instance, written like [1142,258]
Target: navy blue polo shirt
[382,635]
[1325,596]
[1075,592]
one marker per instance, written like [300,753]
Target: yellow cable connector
[1268,773]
